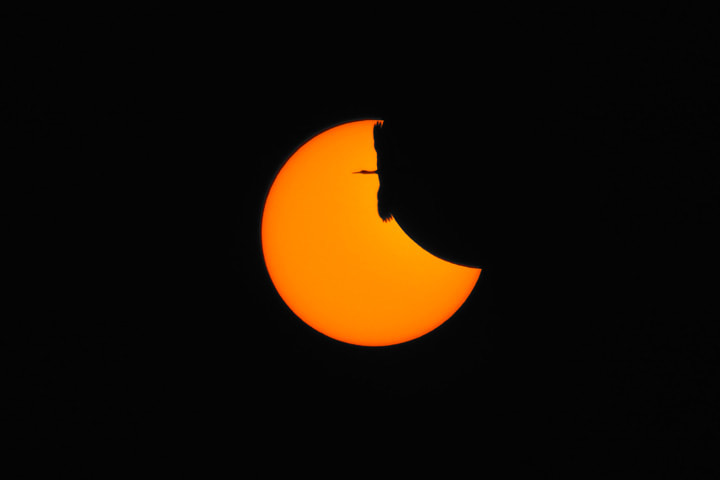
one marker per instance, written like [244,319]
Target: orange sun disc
[336,264]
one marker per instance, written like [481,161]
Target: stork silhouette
[387,172]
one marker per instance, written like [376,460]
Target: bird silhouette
[387,172]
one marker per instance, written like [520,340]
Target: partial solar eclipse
[336,264]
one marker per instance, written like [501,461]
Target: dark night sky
[142,152]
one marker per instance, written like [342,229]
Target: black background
[138,155]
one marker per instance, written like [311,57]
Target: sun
[336,264]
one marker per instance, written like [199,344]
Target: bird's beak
[366,172]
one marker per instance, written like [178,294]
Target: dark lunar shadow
[584,181]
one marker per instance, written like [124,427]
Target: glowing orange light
[336,264]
